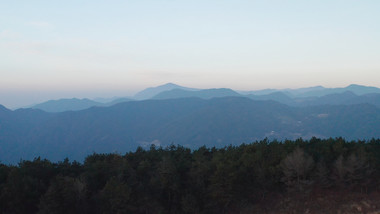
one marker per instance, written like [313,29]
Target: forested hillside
[314,176]
[190,122]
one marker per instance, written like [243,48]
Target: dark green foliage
[25,185]
[177,180]
[296,168]
[64,195]
[115,197]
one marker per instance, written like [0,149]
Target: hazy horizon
[27,99]
[89,49]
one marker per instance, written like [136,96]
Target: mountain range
[191,117]
[74,104]
[317,91]
[191,121]
[352,94]
[204,94]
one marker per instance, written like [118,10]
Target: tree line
[176,179]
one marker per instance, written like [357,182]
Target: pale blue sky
[52,49]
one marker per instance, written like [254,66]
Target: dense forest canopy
[176,179]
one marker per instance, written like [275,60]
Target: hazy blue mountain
[300,91]
[61,105]
[294,97]
[259,92]
[276,96]
[27,133]
[345,98]
[316,91]
[153,91]
[118,100]
[332,99]
[109,99]
[204,94]
[361,90]
[74,104]
[4,109]
[373,98]
[288,92]
[356,89]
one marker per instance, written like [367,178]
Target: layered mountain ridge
[295,97]
[192,122]
[191,117]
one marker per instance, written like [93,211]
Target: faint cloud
[8,34]
[40,24]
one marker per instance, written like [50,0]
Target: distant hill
[276,96]
[74,104]
[204,94]
[300,91]
[110,99]
[117,100]
[294,97]
[317,91]
[288,92]
[153,91]
[345,98]
[61,105]
[356,89]
[3,109]
[373,98]
[27,133]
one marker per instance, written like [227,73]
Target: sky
[90,48]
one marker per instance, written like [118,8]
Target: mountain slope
[28,133]
[345,98]
[288,92]
[276,96]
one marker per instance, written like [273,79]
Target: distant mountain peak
[355,86]
[361,89]
[171,84]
